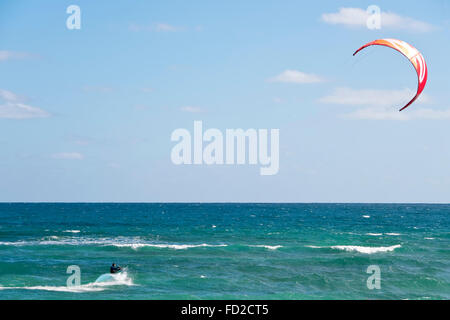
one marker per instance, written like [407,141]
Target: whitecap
[118,242]
[266,246]
[166,246]
[75,289]
[367,250]
[360,249]
[118,279]
[114,279]
[15,244]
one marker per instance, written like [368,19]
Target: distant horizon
[219,202]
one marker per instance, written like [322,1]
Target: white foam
[56,241]
[76,289]
[72,231]
[428,238]
[393,234]
[367,250]
[267,247]
[16,244]
[367,217]
[360,249]
[118,279]
[315,247]
[117,242]
[374,234]
[168,246]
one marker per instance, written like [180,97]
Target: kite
[412,54]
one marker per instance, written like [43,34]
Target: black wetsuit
[114,269]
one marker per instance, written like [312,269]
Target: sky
[86,115]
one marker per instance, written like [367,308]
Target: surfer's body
[114,268]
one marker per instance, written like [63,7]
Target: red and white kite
[412,54]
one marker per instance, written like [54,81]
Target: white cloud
[372,97]
[68,156]
[383,104]
[357,17]
[164,27]
[12,108]
[191,109]
[8,55]
[21,111]
[409,114]
[9,96]
[294,76]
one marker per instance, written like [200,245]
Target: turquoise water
[225,251]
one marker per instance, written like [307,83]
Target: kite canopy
[412,54]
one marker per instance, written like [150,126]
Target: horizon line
[208,202]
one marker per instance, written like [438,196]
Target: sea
[224,251]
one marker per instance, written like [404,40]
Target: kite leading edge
[412,54]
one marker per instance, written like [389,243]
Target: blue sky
[86,115]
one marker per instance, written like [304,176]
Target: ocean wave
[316,247]
[386,234]
[16,244]
[266,246]
[367,250]
[124,242]
[75,289]
[116,279]
[360,249]
[72,231]
[105,242]
[119,279]
[169,246]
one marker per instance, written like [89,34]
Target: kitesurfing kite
[412,54]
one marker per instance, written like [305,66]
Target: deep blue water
[225,251]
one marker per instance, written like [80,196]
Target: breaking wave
[119,242]
[119,279]
[266,246]
[367,250]
[361,249]
[169,246]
